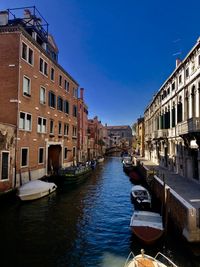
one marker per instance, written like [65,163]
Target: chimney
[81,93]
[178,62]
[3,18]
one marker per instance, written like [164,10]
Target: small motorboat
[140,197]
[144,260]
[128,164]
[147,226]
[100,159]
[35,189]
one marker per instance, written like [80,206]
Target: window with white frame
[51,126]
[25,120]
[60,128]
[74,131]
[5,156]
[26,86]
[24,157]
[66,107]
[75,92]
[66,129]
[66,85]
[187,72]
[42,95]
[52,99]
[60,103]
[60,80]
[27,53]
[42,125]
[65,153]
[43,67]
[180,79]
[41,155]
[52,74]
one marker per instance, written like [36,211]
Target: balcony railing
[162,133]
[191,125]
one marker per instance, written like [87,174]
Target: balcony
[189,126]
[162,133]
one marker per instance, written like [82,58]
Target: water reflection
[84,226]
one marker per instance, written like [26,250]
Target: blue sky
[119,51]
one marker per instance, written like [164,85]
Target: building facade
[82,128]
[140,131]
[172,119]
[38,98]
[120,136]
[97,136]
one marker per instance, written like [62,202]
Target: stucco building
[120,136]
[172,119]
[38,99]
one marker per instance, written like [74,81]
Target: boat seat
[145,262]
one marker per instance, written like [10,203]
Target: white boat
[147,226]
[100,159]
[35,189]
[128,164]
[140,198]
[144,260]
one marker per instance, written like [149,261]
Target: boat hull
[148,235]
[37,195]
[35,189]
[70,179]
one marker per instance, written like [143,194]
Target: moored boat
[140,198]
[147,226]
[35,189]
[128,165]
[74,174]
[144,260]
[100,159]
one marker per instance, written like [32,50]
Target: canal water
[82,226]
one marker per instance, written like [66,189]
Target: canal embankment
[183,199]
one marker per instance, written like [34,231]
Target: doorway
[54,159]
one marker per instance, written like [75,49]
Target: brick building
[38,99]
[82,128]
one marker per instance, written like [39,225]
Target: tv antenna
[179,52]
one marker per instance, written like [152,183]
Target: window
[42,95]
[74,152]
[74,131]
[75,92]
[52,100]
[26,86]
[27,54]
[65,153]
[66,85]
[5,165]
[173,86]
[60,80]
[51,130]
[168,90]
[24,157]
[60,103]
[66,107]
[187,73]
[24,51]
[180,79]
[52,74]
[75,111]
[42,125]
[60,128]
[25,121]
[41,155]
[66,129]
[43,67]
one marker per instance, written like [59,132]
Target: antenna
[179,51]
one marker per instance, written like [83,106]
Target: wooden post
[167,193]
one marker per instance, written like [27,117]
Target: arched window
[179,110]
[193,103]
[186,106]
[173,114]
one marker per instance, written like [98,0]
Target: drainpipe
[17,123]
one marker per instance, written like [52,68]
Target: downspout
[17,123]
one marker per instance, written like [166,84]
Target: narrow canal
[84,226]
